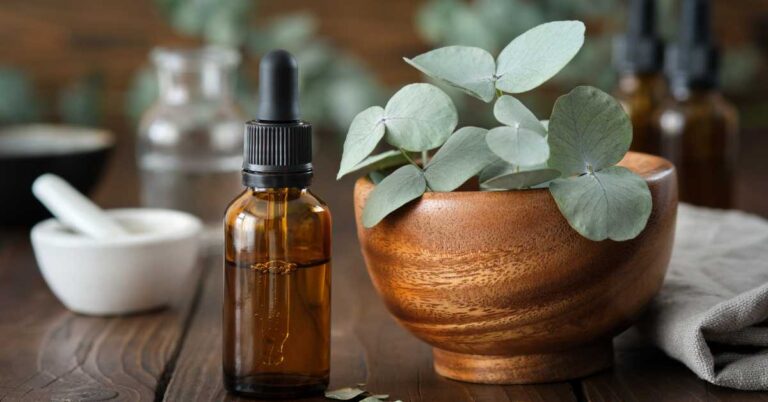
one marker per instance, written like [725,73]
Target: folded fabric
[712,311]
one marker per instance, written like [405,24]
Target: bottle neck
[206,82]
[277,180]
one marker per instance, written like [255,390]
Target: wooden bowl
[505,290]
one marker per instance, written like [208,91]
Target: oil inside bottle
[275,317]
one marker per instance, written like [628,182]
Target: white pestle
[74,209]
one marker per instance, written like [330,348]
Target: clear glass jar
[191,140]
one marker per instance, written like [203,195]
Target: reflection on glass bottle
[638,57]
[697,126]
[189,150]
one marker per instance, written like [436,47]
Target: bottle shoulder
[284,224]
[697,115]
[293,204]
[712,105]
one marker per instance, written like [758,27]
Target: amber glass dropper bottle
[638,58]
[697,126]
[277,271]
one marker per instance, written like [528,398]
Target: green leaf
[397,189]
[344,394]
[470,69]
[291,31]
[364,134]
[613,203]
[380,161]
[537,55]
[419,117]
[588,131]
[521,179]
[18,101]
[463,156]
[377,176]
[81,103]
[512,112]
[519,146]
[498,168]
[545,124]
[141,94]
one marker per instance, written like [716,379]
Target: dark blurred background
[85,62]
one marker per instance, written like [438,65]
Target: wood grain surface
[49,353]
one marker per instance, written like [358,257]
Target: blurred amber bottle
[698,128]
[277,269]
[638,58]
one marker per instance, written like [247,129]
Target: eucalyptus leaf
[497,168]
[512,112]
[588,131]
[376,176]
[381,396]
[470,69]
[518,145]
[344,394]
[370,399]
[521,179]
[537,55]
[364,134]
[613,203]
[419,117]
[403,185]
[545,124]
[380,161]
[463,156]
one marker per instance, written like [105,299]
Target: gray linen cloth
[712,311]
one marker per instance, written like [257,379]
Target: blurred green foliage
[18,101]
[82,102]
[334,85]
[221,22]
[79,103]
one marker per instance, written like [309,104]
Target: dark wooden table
[49,353]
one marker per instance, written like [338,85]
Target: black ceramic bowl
[77,154]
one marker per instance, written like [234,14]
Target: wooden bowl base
[524,369]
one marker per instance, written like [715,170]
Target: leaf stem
[408,157]
[424,158]
[499,93]
[413,162]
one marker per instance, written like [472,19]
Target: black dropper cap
[694,61]
[278,146]
[639,50]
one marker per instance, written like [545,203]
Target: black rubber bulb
[695,22]
[642,19]
[278,87]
